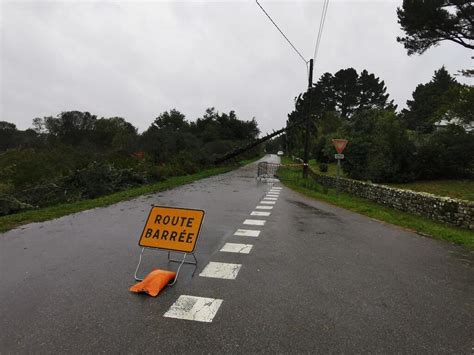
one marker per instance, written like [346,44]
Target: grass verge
[463,189]
[293,179]
[52,212]
[332,168]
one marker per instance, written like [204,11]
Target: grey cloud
[137,59]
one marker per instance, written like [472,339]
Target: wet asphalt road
[318,279]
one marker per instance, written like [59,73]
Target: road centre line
[237,248]
[254,222]
[264,207]
[260,213]
[267,202]
[216,270]
[247,233]
[199,309]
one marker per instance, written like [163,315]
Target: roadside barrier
[269,170]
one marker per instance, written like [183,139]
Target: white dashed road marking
[237,248]
[264,207]
[200,309]
[221,270]
[247,233]
[204,309]
[260,213]
[254,222]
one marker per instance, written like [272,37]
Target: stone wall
[444,209]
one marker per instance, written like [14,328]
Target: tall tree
[8,135]
[70,127]
[348,92]
[431,101]
[427,23]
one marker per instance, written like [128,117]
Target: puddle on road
[465,257]
[313,209]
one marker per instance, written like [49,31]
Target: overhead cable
[321,27]
[278,28]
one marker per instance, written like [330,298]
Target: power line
[278,28]
[321,27]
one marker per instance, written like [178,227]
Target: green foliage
[347,92]
[447,153]
[47,213]
[431,101]
[207,138]
[462,109]
[11,138]
[99,179]
[76,156]
[23,168]
[71,128]
[379,148]
[427,23]
[382,147]
[9,204]
[323,167]
[333,100]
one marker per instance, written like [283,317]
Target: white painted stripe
[264,207]
[276,188]
[237,248]
[270,198]
[273,194]
[255,222]
[275,191]
[221,270]
[259,213]
[268,202]
[247,233]
[200,309]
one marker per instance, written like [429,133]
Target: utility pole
[308,121]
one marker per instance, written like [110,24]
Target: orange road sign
[172,228]
[339,144]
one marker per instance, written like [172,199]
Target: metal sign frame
[181,262]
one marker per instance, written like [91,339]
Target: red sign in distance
[340,144]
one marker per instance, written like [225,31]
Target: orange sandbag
[154,282]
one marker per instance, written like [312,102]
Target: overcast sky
[136,59]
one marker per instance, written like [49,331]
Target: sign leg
[138,266]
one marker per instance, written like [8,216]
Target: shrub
[445,154]
[379,148]
[9,205]
[323,167]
